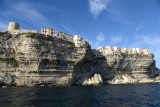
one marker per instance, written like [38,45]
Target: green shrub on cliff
[130,55]
[72,46]
[81,46]
[13,76]
[122,54]
[11,61]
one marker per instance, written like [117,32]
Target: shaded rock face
[31,59]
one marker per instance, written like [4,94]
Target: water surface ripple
[82,96]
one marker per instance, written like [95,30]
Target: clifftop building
[13,26]
[109,50]
[76,39]
[145,51]
[49,31]
[79,41]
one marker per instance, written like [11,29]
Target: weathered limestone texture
[95,80]
[29,59]
[32,59]
[123,78]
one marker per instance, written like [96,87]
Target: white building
[79,41]
[49,31]
[109,50]
[134,51]
[145,51]
[116,50]
[129,50]
[124,50]
[138,50]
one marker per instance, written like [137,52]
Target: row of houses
[14,28]
[77,39]
[109,50]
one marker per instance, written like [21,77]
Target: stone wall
[23,31]
[28,31]
[13,26]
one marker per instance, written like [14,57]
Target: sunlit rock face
[33,59]
[96,79]
[30,59]
[123,79]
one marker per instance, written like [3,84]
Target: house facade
[49,31]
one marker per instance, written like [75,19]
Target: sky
[122,23]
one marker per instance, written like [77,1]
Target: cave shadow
[88,66]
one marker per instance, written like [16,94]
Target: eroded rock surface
[30,59]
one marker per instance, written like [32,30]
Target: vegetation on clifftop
[72,46]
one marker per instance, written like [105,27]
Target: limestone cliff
[30,59]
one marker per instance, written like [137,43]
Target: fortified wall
[14,28]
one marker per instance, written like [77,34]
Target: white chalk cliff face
[31,59]
[96,79]
[123,79]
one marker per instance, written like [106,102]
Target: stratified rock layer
[31,59]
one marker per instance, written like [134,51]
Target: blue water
[82,96]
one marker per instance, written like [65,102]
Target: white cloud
[114,12]
[140,26]
[99,40]
[116,38]
[24,11]
[152,40]
[98,6]
[100,37]
[27,11]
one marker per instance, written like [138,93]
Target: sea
[124,95]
